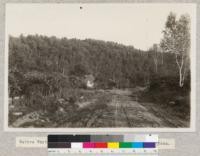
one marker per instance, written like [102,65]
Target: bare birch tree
[155,55]
[177,40]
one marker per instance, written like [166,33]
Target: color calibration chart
[140,144]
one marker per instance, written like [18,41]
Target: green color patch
[125,145]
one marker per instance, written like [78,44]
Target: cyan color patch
[137,145]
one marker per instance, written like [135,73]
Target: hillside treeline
[49,64]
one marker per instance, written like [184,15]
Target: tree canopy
[53,62]
[176,40]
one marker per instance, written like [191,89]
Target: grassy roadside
[166,94]
[60,112]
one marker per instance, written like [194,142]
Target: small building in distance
[89,80]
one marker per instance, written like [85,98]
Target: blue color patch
[137,145]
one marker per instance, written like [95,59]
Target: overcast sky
[139,25]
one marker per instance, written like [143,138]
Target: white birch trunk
[181,70]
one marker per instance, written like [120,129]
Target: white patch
[17,113]
[16,98]
[90,84]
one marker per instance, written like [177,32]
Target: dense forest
[62,63]
[44,69]
[36,58]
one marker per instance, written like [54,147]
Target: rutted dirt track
[122,111]
[125,111]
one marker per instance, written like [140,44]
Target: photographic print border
[113,130]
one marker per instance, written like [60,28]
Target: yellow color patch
[113,145]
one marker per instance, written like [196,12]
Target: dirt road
[125,111]
[121,109]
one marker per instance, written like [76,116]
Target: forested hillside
[43,70]
[38,57]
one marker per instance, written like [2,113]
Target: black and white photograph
[126,66]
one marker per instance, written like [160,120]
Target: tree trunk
[181,70]
[181,83]
[12,100]
[162,58]
[156,65]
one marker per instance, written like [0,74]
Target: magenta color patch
[88,145]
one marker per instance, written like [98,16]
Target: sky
[138,25]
